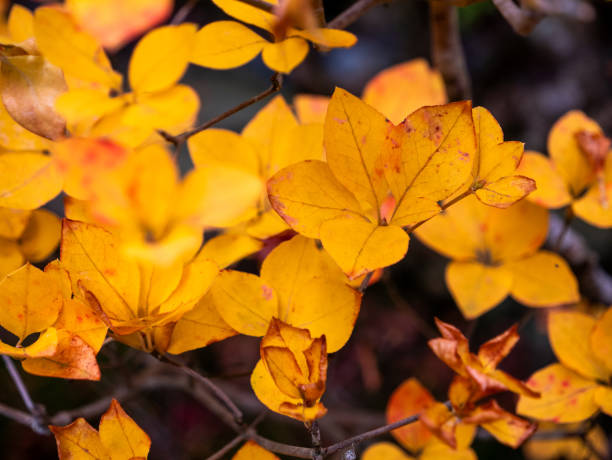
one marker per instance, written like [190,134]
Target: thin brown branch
[18,416]
[237,440]
[178,140]
[443,208]
[522,20]
[319,12]
[447,50]
[37,411]
[183,12]
[365,282]
[354,12]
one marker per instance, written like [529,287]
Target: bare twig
[365,282]
[178,140]
[18,416]
[38,412]
[595,282]
[319,12]
[237,440]
[522,20]
[447,50]
[183,12]
[443,208]
[354,12]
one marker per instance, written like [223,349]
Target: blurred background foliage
[526,82]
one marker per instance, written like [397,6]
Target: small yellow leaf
[11,257]
[82,107]
[569,333]
[225,45]
[223,147]
[329,38]
[31,301]
[551,191]
[284,56]
[41,236]
[121,436]
[245,302]
[28,180]
[80,319]
[252,451]
[30,86]
[247,13]
[601,339]
[229,248]
[543,280]
[477,287]
[45,345]
[161,57]
[384,451]
[594,207]
[20,23]
[359,247]
[603,397]
[13,222]
[565,396]
[14,137]
[400,90]
[506,191]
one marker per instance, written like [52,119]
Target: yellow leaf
[245,302]
[161,57]
[199,327]
[595,207]
[442,451]
[564,150]
[28,180]
[307,194]
[551,191]
[80,319]
[328,38]
[115,22]
[79,441]
[121,436]
[225,45]
[400,90]
[477,287]
[45,345]
[73,359]
[311,109]
[410,398]
[41,236]
[229,248]
[76,52]
[603,397]
[284,56]
[14,137]
[252,451]
[13,222]
[354,135]
[247,13]
[384,451]
[569,333]
[266,225]
[20,23]
[223,147]
[601,339]
[543,280]
[216,195]
[31,301]
[11,257]
[429,157]
[30,86]
[570,446]
[565,396]
[360,247]
[506,191]
[82,107]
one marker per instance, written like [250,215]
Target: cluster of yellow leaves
[496,252]
[579,386]
[26,235]
[118,438]
[578,171]
[228,44]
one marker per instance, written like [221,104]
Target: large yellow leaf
[245,302]
[79,441]
[161,57]
[477,287]
[121,436]
[354,136]
[410,398]
[225,45]
[384,451]
[31,301]
[30,86]
[359,246]
[73,359]
[28,180]
[307,194]
[199,327]
[77,53]
[400,90]
[543,280]
[551,191]
[115,22]
[601,339]
[252,451]
[564,150]
[564,396]
[285,55]
[429,157]
[41,236]
[569,333]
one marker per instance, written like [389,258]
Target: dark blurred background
[527,83]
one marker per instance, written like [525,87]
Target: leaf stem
[443,207]
[354,12]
